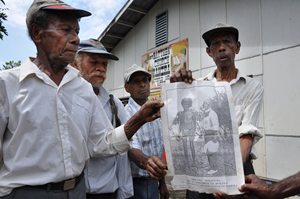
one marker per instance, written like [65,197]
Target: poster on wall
[162,63]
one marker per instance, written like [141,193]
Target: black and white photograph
[200,132]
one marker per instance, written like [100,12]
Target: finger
[156,166]
[216,195]
[173,78]
[190,76]
[178,77]
[184,74]
[155,98]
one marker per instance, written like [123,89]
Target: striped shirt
[148,138]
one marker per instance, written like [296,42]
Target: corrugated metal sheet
[131,13]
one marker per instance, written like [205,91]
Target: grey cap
[95,46]
[133,69]
[220,27]
[53,5]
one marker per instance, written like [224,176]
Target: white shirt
[106,175]
[248,97]
[48,132]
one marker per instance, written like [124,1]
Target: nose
[142,84]
[100,67]
[74,38]
[221,47]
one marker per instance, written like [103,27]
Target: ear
[127,87]
[75,64]
[208,51]
[238,47]
[35,32]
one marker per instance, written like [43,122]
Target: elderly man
[106,178]
[51,121]
[147,145]
[222,46]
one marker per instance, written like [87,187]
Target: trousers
[145,188]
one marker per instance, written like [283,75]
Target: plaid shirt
[148,138]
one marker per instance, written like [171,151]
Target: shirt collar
[239,76]
[103,95]
[28,68]
[133,103]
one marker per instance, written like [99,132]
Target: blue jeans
[145,188]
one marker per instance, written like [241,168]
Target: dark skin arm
[155,166]
[163,190]
[283,189]
[148,112]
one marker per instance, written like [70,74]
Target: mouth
[223,57]
[144,91]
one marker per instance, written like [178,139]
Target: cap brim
[207,35]
[79,13]
[96,51]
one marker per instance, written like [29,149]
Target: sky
[17,45]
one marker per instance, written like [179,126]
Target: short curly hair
[187,101]
[41,19]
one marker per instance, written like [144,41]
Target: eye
[104,64]
[67,30]
[136,81]
[145,80]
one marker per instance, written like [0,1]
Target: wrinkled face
[59,42]
[223,49]
[93,68]
[138,86]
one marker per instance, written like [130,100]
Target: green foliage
[3,17]
[11,64]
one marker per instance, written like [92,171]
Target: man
[51,122]
[222,46]
[211,128]
[187,126]
[283,189]
[106,178]
[147,145]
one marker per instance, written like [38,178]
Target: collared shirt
[48,132]
[149,138]
[248,97]
[106,175]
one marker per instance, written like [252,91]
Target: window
[161,29]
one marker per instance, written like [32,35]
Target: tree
[11,64]
[3,17]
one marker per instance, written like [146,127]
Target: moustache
[222,55]
[98,74]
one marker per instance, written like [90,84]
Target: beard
[95,78]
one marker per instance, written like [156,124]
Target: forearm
[133,125]
[287,187]
[138,157]
[246,146]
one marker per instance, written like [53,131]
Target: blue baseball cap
[95,46]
